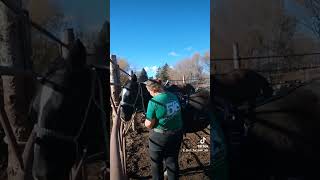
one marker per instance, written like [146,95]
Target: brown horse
[240,86]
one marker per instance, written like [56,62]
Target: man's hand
[149,123]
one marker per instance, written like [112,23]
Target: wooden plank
[117,169]
[11,71]
[27,155]
[76,171]
[12,5]
[236,60]
[14,104]
[9,134]
[68,38]
[114,79]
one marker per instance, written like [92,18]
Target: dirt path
[193,158]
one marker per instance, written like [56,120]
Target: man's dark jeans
[163,146]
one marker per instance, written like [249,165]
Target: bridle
[41,131]
[133,105]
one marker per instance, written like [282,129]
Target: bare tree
[195,67]
[143,76]
[261,28]
[190,67]
[312,7]
[47,14]
[205,61]
[123,64]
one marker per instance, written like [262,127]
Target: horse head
[134,98]
[63,109]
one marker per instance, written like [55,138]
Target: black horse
[241,86]
[284,134]
[184,90]
[68,116]
[281,135]
[135,98]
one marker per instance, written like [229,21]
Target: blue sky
[150,33]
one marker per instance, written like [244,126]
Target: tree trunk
[16,99]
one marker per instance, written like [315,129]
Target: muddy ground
[193,159]
[93,170]
[3,156]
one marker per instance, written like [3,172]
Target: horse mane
[241,85]
[235,76]
[66,74]
[75,61]
[55,65]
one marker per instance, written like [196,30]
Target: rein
[142,100]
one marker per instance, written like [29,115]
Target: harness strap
[103,114]
[142,99]
[51,133]
[125,103]
[53,85]
[93,83]
[135,101]
[157,102]
[166,131]
[41,131]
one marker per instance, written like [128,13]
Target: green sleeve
[151,112]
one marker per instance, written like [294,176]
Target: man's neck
[157,93]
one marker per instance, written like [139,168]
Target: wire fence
[266,57]
[23,12]
[276,68]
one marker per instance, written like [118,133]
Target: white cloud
[171,67]
[188,48]
[132,67]
[172,53]
[152,69]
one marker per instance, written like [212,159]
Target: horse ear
[134,78]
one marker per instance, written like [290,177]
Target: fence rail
[22,12]
[266,57]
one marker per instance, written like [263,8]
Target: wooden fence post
[115,79]
[236,60]
[15,52]
[117,151]
[68,38]
[131,74]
